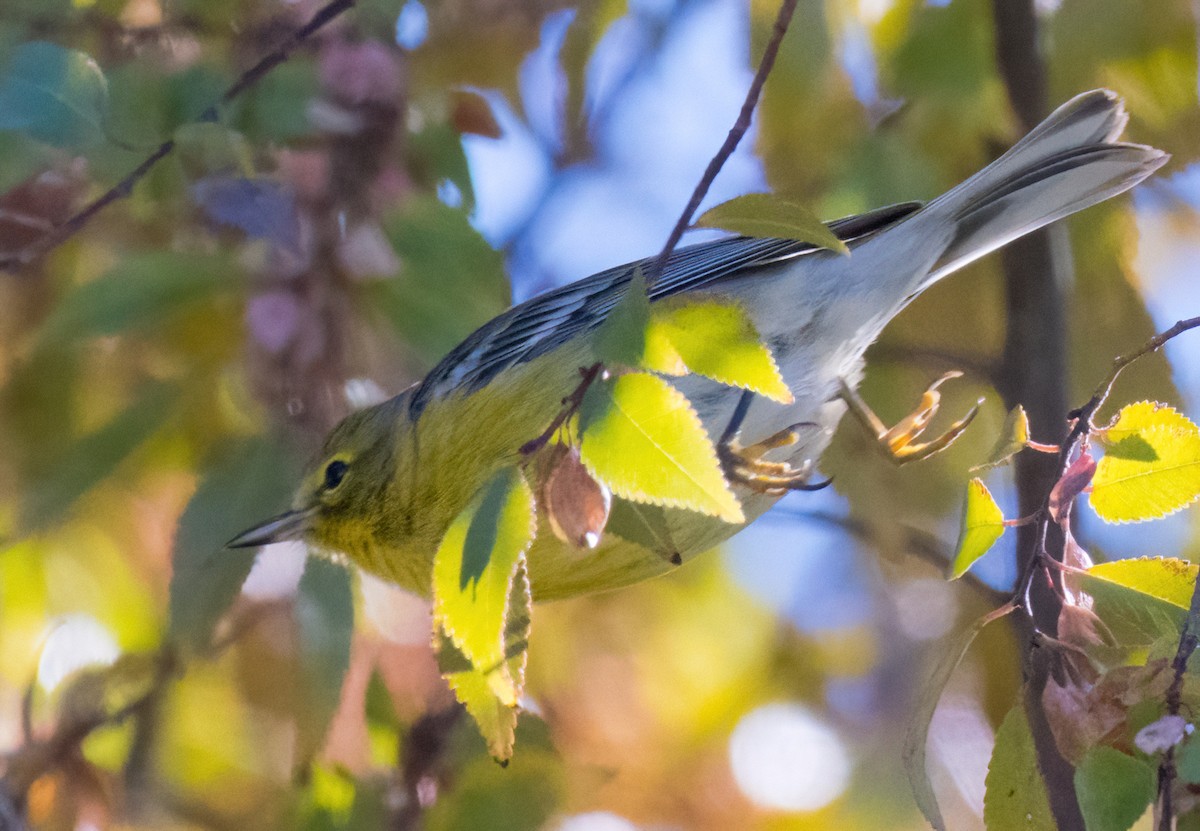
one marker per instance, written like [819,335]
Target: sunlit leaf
[982,525]
[642,438]
[1014,436]
[56,95]
[767,215]
[141,291]
[325,619]
[95,456]
[473,574]
[626,338]
[952,653]
[494,714]
[253,480]
[1151,465]
[1015,797]
[717,339]
[1114,789]
[1142,600]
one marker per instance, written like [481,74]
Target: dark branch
[1188,640]
[782,20]
[124,188]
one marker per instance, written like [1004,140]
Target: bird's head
[343,487]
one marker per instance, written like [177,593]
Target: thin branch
[1189,638]
[786,9]
[1083,415]
[124,188]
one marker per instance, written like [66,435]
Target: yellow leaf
[1151,465]
[717,339]
[643,440]
[982,525]
[474,571]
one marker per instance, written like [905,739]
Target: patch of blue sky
[412,25]
[542,82]
[509,174]
[653,144]
[1168,250]
[806,569]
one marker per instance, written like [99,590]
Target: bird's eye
[335,471]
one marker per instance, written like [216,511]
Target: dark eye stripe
[335,471]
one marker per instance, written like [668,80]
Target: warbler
[392,477]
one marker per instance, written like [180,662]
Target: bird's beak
[289,525]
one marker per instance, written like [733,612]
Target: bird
[391,478]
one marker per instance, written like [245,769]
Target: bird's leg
[746,465]
[899,443]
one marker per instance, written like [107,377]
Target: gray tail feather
[1069,162]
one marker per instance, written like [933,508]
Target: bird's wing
[547,321]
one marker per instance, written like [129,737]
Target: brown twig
[1189,638]
[124,188]
[786,9]
[570,406]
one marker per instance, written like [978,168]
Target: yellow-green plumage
[444,457]
[394,476]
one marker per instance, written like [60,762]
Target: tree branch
[786,9]
[1034,374]
[124,188]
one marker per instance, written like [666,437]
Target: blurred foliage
[165,370]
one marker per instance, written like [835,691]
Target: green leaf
[254,479]
[452,281]
[140,292]
[523,796]
[1014,437]
[206,148]
[473,574]
[1015,799]
[325,619]
[717,339]
[56,95]
[767,215]
[1151,465]
[95,456]
[642,438]
[494,714]
[952,653]
[1114,789]
[645,525]
[1141,601]
[982,525]
[626,337]
[1187,760]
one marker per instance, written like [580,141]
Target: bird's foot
[899,443]
[746,465]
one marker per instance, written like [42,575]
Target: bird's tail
[1067,163]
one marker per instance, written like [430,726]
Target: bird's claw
[746,465]
[899,443]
